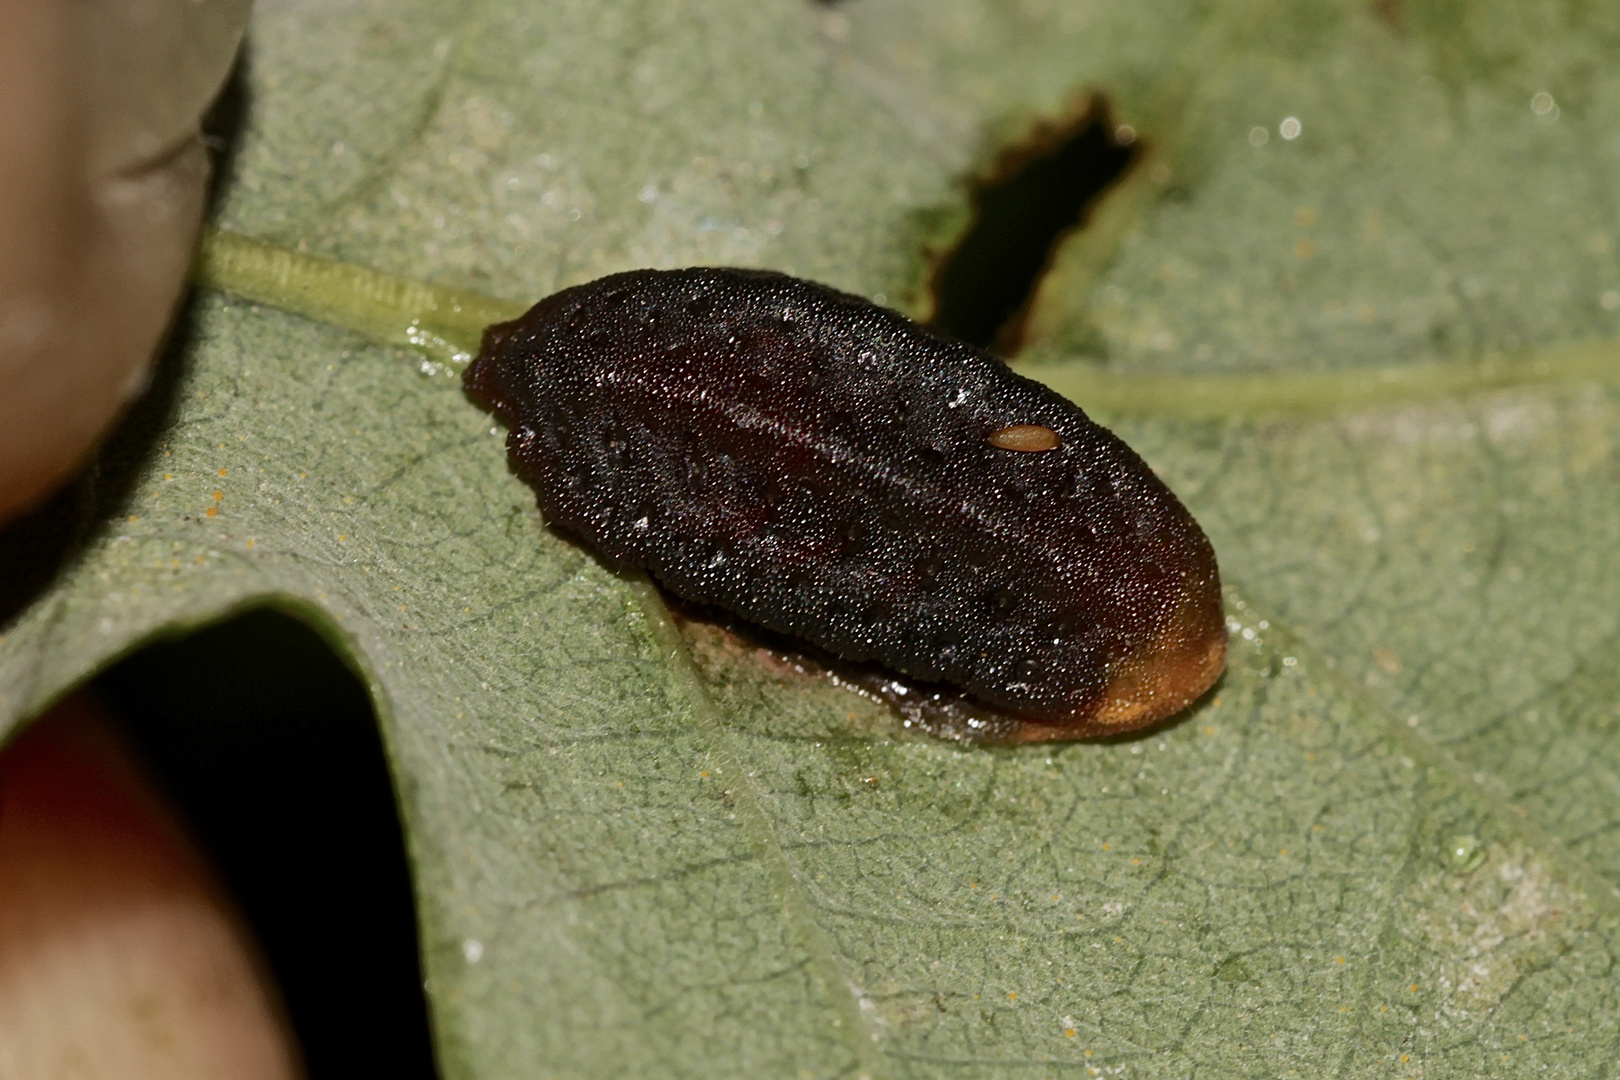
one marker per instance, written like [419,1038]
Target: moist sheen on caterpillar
[831,471]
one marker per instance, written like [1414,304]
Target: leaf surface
[1376,360]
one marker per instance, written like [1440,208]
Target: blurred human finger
[119,956]
[103,179]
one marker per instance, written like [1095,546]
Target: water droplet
[1465,853]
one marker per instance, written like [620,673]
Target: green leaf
[1378,360]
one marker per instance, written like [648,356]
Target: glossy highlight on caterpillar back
[830,471]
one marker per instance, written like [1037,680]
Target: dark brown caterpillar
[828,470]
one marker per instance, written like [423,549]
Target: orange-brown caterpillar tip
[1154,683]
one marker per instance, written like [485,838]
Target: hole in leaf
[267,744]
[1037,193]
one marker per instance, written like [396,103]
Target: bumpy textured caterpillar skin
[824,468]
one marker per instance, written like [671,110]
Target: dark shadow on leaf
[1039,191]
[267,743]
[222,126]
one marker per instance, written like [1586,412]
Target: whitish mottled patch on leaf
[1488,928]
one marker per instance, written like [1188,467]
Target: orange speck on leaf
[213,511]
[218,495]
[223,472]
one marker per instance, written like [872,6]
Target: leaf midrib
[448,325]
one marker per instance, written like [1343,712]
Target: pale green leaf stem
[447,324]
